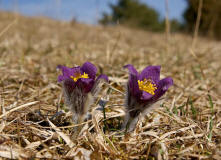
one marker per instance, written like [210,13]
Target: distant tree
[175,25]
[210,23]
[133,13]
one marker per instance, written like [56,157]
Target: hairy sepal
[78,102]
[135,110]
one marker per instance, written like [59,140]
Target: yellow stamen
[77,76]
[147,86]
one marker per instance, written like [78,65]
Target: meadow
[187,125]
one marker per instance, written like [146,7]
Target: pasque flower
[143,91]
[80,85]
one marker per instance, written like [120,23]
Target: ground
[187,125]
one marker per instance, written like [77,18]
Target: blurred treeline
[136,14]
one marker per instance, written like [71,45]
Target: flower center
[147,86]
[79,75]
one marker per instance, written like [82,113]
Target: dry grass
[186,126]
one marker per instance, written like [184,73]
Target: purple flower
[144,89]
[80,85]
[81,77]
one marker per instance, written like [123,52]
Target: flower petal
[86,84]
[146,96]
[133,81]
[133,86]
[102,76]
[75,71]
[62,78]
[162,87]
[67,72]
[90,69]
[68,86]
[151,72]
[131,69]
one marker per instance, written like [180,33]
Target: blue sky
[86,11]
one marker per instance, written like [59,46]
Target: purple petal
[133,86]
[86,84]
[90,69]
[68,86]
[86,80]
[59,67]
[146,96]
[102,76]
[162,87]
[62,78]
[75,71]
[133,81]
[151,72]
[131,69]
[67,72]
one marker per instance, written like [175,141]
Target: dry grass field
[187,125]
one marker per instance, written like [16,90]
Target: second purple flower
[143,90]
